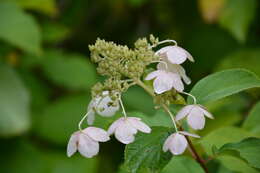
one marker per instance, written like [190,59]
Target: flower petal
[178,144]
[167,143]
[182,73]
[163,50]
[87,147]
[196,119]
[112,128]
[176,55]
[97,134]
[153,74]
[162,83]
[183,112]
[125,133]
[189,134]
[177,83]
[205,112]
[105,109]
[72,145]
[139,125]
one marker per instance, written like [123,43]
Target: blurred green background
[46,73]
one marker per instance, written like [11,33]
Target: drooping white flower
[125,129]
[195,115]
[165,81]
[177,143]
[174,68]
[175,54]
[102,106]
[86,141]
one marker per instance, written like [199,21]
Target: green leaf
[245,58]
[54,32]
[14,103]
[237,16]
[223,84]
[235,164]
[222,136]
[60,119]
[146,151]
[248,149]
[70,70]
[182,164]
[252,121]
[19,29]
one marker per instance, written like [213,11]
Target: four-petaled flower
[195,115]
[102,106]
[175,54]
[177,143]
[126,127]
[165,81]
[86,141]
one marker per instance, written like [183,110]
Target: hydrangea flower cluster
[124,67]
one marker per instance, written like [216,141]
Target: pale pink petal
[182,73]
[189,56]
[183,112]
[97,134]
[72,145]
[87,147]
[139,125]
[91,117]
[205,112]
[177,83]
[196,119]
[167,143]
[178,144]
[162,83]
[105,109]
[163,50]
[153,74]
[176,55]
[125,133]
[112,128]
[189,134]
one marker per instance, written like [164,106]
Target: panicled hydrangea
[126,127]
[86,141]
[103,106]
[195,116]
[125,67]
[177,143]
[174,54]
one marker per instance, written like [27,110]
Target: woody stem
[193,151]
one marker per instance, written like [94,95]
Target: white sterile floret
[174,68]
[165,81]
[125,129]
[195,115]
[177,143]
[175,54]
[102,106]
[86,141]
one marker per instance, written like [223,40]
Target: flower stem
[122,106]
[193,151]
[81,121]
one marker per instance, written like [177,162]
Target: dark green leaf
[222,136]
[235,164]
[223,84]
[146,151]
[237,16]
[14,103]
[248,149]
[19,29]
[182,164]
[253,119]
